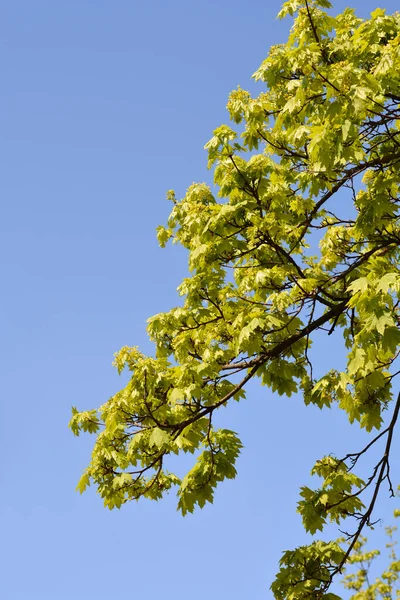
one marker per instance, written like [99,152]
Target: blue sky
[105,106]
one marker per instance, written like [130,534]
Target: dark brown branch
[315,33]
[349,174]
[383,472]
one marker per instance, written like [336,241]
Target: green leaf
[159,438]
[83,483]
[390,280]
[357,362]
[359,285]
[345,129]
[391,339]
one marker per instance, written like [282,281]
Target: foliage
[317,159]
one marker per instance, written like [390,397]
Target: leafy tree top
[317,156]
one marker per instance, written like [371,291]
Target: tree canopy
[301,238]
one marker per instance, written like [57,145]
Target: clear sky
[105,106]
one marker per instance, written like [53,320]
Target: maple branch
[315,33]
[348,175]
[285,344]
[382,475]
